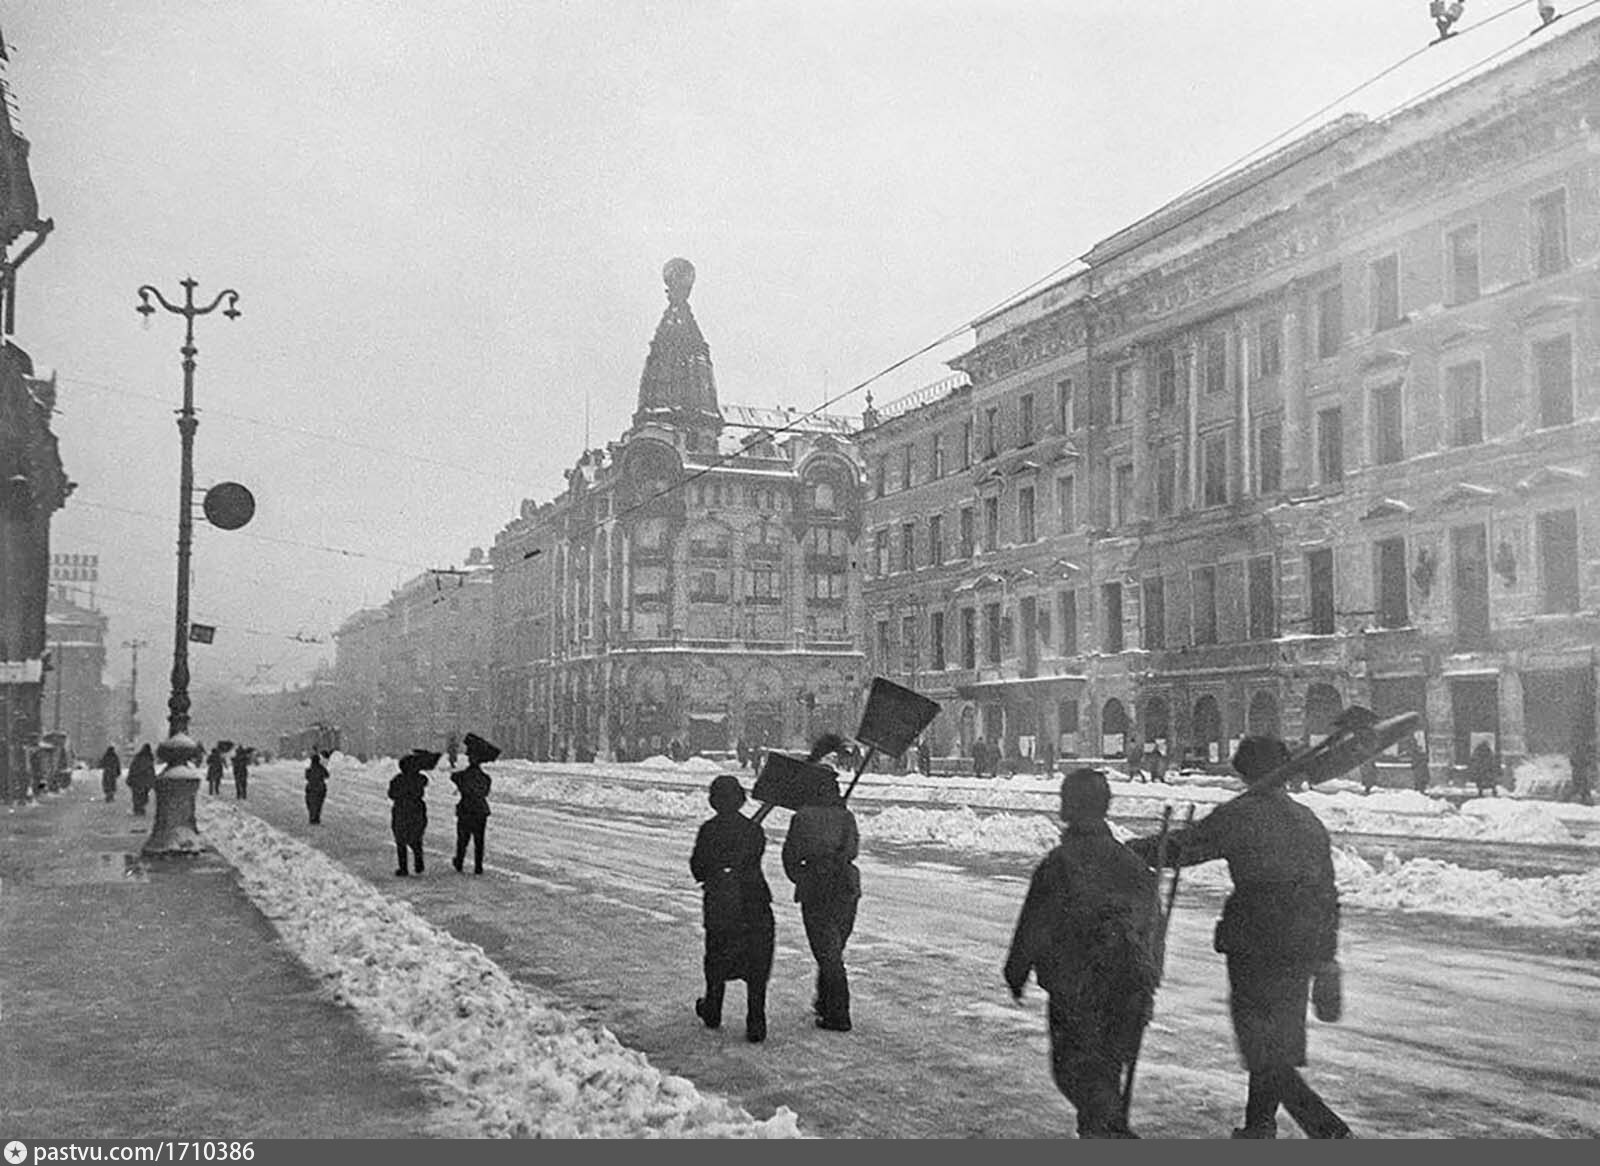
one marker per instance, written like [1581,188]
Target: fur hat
[478,749]
[726,792]
[1256,757]
[420,759]
[1085,795]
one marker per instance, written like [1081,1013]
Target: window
[991,524]
[966,445]
[968,538]
[879,479]
[1025,515]
[1389,578]
[908,546]
[1552,370]
[1330,320]
[1269,457]
[1166,378]
[969,638]
[936,642]
[906,453]
[1385,292]
[1067,716]
[1386,425]
[1319,570]
[1154,627]
[991,431]
[1263,598]
[1216,366]
[1214,467]
[1111,594]
[1122,395]
[1067,604]
[1558,561]
[1469,550]
[1166,480]
[880,552]
[825,585]
[1066,420]
[1550,233]
[1122,497]
[1269,347]
[1204,580]
[908,644]
[884,646]
[936,460]
[1463,388]
[1330,446]
[763,584]
[936,539]
[1461,249]
[1025,420]
[1067,503]
[991,632]
[825,540]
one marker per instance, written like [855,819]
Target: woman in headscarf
[737,908]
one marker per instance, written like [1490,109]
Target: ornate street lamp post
[175,830]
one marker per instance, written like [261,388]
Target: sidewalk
[153,1000]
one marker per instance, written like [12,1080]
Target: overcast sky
[446,223]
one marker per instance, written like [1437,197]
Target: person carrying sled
[737,908]
[819,859]
[1279,931]
[316,788]
[110,772]
[408,818]
[1089,931]
[472,809]
[142,777]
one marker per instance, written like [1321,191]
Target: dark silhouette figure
[316,788]
[1158,764]
[110,773]
[1417,758]
[1484,769]
[737,908]
[1089,930]
[408,818]
[452,750]
[819,859]
[241,771]
[142,778]
[214,767]
[472,810]
[1279,929]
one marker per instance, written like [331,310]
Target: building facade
[693,583]
[1323,432]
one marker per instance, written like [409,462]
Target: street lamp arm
[231,311]
[145,308]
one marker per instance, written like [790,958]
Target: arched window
[1208,730]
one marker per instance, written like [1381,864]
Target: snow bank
[1424,884]
[508,1064]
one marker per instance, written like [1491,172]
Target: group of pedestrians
[819,855]
[141,776]
[408,818]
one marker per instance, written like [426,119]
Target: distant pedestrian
[1158,764]
[316,788]
[408,817]
[1582,758]
[472,810]
[110,773]
[1484,769]
[142,777]
[736,908]
[980,757]
[1089,929]
[1047,757]
[214,767]
[241,772]
[741,752]
[1369,775]
[1417,758]
[925,758]
[819,858]
[1135,758]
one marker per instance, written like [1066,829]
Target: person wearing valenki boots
[472,811]
[409,817]
[737,908]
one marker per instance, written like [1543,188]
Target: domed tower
[678,387]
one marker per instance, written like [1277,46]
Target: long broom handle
[872,751]
[1161,940]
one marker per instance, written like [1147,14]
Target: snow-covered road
[1450,1030]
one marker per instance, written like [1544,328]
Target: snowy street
[1453,1028]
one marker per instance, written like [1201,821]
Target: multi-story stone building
[694,582]
[1321,432]
[75,694]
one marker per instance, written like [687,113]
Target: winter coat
[110,768]
[1089,930]
[241,766]
[142,771]
[819,853]
[474,784]
[727,859]
[409,814]
[214,767]
[316,776]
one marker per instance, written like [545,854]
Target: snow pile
[1513,820]
[1547,775]
[1424,884]
[963,829]
[507,1063]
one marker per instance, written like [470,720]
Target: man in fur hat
[1280,924]
[409,816]
[472,810]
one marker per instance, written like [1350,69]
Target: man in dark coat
[316,788]
[142,777]
[241,771]
[408,818]
[737,908]
[1280,924]
[1089,930]
[1484,768]
[1417,757]
[472,810]
[110,772]
[819,859]
[214,766]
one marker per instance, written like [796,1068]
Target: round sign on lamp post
[229,505]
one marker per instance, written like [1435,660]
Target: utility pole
[133,690]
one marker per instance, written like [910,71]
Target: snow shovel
[1161,938]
